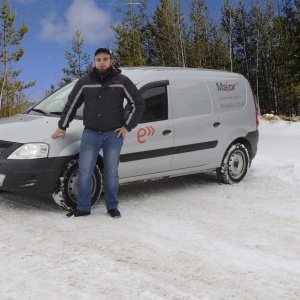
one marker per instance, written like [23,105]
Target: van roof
[140,73]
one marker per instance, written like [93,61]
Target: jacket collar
[94,74]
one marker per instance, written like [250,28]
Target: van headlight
[30,151]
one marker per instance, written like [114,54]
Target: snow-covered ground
[180,238]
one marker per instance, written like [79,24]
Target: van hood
[24,128]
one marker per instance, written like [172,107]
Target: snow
[180,238]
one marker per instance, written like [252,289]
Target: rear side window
[156,104]
[191,99]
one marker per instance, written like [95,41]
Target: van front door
[148,148]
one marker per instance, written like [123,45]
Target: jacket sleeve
[135,106]
[75,100]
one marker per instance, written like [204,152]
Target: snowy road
[180,238]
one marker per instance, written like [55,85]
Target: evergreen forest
[257,38]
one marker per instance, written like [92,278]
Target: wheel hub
[237,165]
[73,186]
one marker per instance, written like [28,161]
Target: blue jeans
[91,143]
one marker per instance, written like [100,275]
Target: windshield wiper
[40,111]
[59,114]
[56,113]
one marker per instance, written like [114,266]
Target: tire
[65,194]
[235,164]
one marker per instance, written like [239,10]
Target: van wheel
[235,164]
[65,194]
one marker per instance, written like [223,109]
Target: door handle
[166,132]
[217,124]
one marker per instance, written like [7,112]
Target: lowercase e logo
[142,132]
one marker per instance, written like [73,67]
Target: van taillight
[257,120]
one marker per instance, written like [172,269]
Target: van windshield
[55,103]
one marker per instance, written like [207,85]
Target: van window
[191,99]
[156,104]
[57,101]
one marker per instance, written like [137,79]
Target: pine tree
[219,57]
[241,34]
[206,47]
[51,91]
[296,61]
[198,35]
[180,30]
[235,24]
[79,62]
[262,42]
[10,87]
[226,27]
[132,36]
[297,39]
[290,50]
[169,34]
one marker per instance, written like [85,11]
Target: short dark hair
[102,50]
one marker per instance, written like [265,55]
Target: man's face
[103,62]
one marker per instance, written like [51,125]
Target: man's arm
[136,104]
[75,100]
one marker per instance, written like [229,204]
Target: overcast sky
[52,24]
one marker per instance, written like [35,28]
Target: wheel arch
[241,140]
[227,171]
[99,161]
[59,195]
[245,142]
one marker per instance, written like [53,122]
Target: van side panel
[233,101]
[193,123]
[229,95]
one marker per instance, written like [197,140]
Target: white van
[194,120]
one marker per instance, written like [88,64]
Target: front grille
[8,147]
[5,145]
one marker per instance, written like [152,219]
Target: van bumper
[252,137]
[31,175]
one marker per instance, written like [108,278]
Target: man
[102,91]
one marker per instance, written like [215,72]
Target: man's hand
[121,131]
[58,132]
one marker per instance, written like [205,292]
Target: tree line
[258,38]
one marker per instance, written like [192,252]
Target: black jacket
[103,104]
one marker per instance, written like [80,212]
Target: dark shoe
[114,213]
[77,213]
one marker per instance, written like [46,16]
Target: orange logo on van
[145,131]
